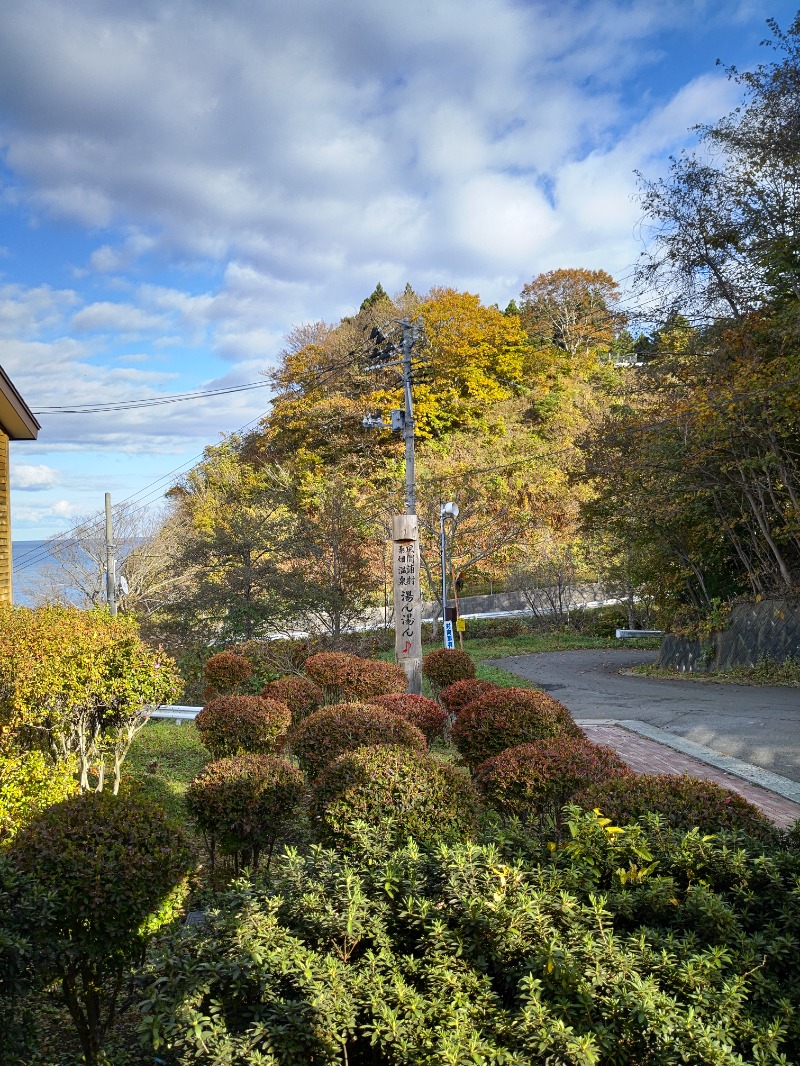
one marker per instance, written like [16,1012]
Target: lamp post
[446,510]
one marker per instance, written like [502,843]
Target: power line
[152,401]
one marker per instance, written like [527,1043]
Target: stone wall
[767,629]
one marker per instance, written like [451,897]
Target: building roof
[16,419]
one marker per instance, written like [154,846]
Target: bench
[177,713]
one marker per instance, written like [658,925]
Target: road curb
[781,786]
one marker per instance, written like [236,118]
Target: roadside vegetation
[325,870]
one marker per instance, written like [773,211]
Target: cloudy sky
[182,181]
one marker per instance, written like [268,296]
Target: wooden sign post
[407,602]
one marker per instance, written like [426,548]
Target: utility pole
[405,528]
[410,334]
[111,576]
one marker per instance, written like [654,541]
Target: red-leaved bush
[328,733]
[425,714]
[345,678]
[246,803]
[225,673]
[683,802]
[541,777]
[455,697]
[398,793]
[507,717]
[234,725]
[445,665]
[300,695]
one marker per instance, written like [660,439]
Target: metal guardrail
[624,634]
[177,712]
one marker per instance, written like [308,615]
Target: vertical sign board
[407,602]
[448,635]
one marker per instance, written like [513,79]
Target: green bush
[78,683]
[246,804]
[397,793]
[225,673]
[508,717]
[425,714]
[233,725]
[613,949]
[29,783]
[444,666]
[330,732]
[455,697]
[682,802]
[114,869]
[345,678]
[300,695]
[539,778]
[24,909]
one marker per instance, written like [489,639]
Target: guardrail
[625,634]
[177,713]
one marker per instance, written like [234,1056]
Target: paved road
[759,725]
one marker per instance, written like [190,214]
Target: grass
[163,760]
[766,672]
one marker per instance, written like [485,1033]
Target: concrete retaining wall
[768,629]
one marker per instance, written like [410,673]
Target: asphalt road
[757,724]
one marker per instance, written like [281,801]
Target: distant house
[16,423]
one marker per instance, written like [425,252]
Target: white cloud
[33,478]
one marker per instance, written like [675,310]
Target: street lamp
[446,510]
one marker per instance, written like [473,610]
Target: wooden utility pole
[111,573]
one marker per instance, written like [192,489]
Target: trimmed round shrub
[345,678]
[226,672]
[684,802]
[539,777]
[29,783]
[115,870]
[455,697]
[114,864]
[445,666]
[234,725]
[425,714]
[330,732]
[300,695]
[246,803]
[508,717]
[398,792]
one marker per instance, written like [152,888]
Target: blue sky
[182,182]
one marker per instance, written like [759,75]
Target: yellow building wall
[6,595]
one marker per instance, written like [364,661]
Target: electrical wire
[152,401]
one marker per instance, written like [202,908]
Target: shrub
[425,714]
[246,804]
[508,717]
[347,677]
[24,908]
[683,802]
[330,732]
[300,695]
[225,673]
[233,725]
[643,947]
[455,697]
[541,777]
[78,682]
[115,871]
[445,666]
[395,791]
[29,783]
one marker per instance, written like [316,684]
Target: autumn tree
[234,519]
[333,563]
[572,310]
[725,224]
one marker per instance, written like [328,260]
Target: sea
[30,560]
